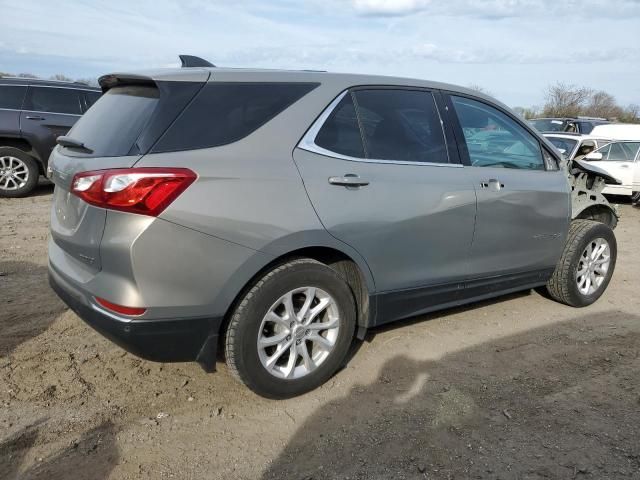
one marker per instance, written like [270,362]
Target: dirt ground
[515,388]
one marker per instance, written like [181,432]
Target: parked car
[583,125]
[279,215]
[574,145]
[620,160]
[33,113]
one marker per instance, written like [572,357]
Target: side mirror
[593,156]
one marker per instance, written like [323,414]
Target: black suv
[33,114]
[582,125]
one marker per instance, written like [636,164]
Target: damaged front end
[587,201]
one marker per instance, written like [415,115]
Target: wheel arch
[351,268]
[600,213]
[25,146]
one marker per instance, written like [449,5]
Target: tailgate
[114,133]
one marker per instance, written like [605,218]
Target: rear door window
[53,100]
[110,128]
[401,125]
[223,113]
[11,97]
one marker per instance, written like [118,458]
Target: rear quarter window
[223,113]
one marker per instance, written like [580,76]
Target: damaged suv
[278,215]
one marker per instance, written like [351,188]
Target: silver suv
[278,215]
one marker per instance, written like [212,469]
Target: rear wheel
[18,172]
[292,330]
[586,265]
[635,199]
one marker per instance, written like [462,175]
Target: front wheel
[292,330]
[586,265]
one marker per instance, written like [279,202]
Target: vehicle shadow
[44,187]
[553,402]
[92,456]
[28,305]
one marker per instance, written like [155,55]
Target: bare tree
[562,100]
[631,114]
[602,104]
[527,113]
[61,78]
[479,88]
[27,75]
[92,82]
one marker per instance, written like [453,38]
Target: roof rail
[193,61]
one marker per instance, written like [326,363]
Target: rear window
[223,113]
[11,97]
[112,125]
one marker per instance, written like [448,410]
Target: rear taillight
[147,190]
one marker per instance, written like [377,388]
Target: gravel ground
[519,387]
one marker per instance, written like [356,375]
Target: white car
[621,160]
[575,145]
[618,131]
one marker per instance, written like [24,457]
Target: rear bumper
[165,340]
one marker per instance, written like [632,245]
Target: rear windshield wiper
[72,143]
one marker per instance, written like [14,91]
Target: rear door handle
[34,117]
[492,184]
[349,180]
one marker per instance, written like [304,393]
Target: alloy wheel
[593,266]
[298,333]
[14,173]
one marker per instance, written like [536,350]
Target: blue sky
[513,48]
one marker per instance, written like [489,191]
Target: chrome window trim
[308,141]
[39,111]
[83,89]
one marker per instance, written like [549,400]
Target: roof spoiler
[193,61]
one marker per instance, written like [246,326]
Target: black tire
[635,199]
[32,178]
[241,349]
[563,285]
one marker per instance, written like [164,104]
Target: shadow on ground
[44,187]
[27,304]
[555,402]
[92,456]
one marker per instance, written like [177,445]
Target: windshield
[566,144]
[549,125]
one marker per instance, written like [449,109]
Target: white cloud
[498,8]
[459,41]
[389,7]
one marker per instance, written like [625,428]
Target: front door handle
[34,117]
[349,180]
[492,184]
[624,165]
